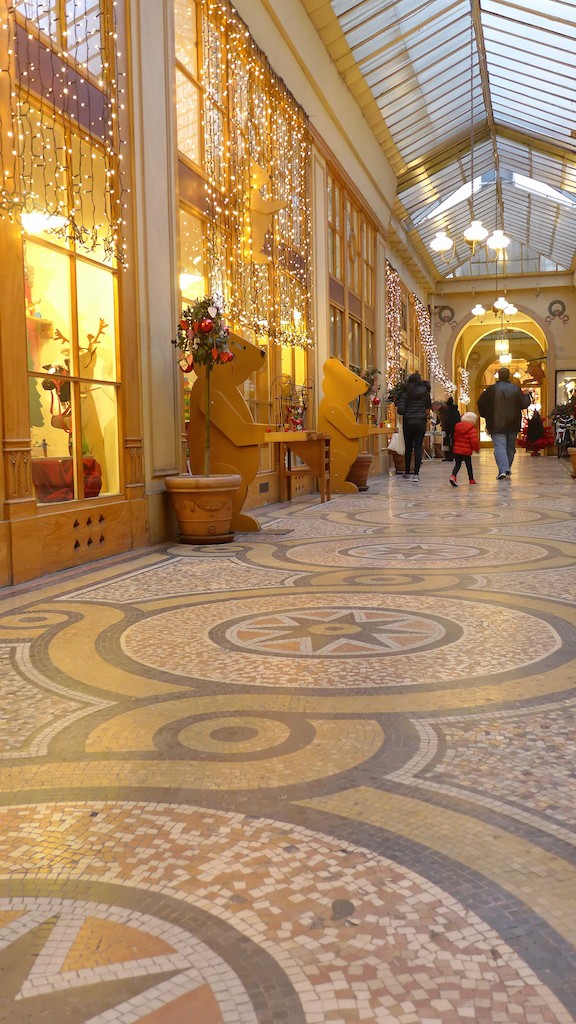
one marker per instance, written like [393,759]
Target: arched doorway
[527,358]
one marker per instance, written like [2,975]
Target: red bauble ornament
[206,325]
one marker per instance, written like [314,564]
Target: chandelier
[499,306]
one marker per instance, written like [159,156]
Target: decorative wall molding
[134,461]
[18,470]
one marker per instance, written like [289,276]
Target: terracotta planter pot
[397,461]
[358,472]
[203,506]
[572,454]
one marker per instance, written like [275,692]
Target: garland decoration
[463,388]
[393,327]
[429,345]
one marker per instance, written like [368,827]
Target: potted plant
[203,504]
[358,472]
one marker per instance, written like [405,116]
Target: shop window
[45,179]
[188,105]
[90,181]
[352,289]
[336,332]
[76,25]
[43,15]
[96,305]
[369,259]
[186,32]
[83,30]
[370,347]
[353,248]
[355,343]
[192,268]
[335,234]
[73,385]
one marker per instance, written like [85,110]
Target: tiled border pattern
[308,811]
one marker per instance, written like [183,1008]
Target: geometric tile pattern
[324,773]
[345,638]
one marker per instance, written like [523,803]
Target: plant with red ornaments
[203,341]
[202,338]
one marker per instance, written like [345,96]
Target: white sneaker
[415,479]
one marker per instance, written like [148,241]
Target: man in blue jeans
[501,405]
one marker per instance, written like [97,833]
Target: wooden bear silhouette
[235,437]
[335,417]
[260,213]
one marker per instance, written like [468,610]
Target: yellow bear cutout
[335,418]
[234,437]
[260,213]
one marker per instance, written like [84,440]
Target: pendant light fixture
[498,241]
[442,243]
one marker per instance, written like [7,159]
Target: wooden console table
[312,448]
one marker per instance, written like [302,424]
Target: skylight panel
[462,193]
[539,188]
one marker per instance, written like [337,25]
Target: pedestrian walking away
[449,416]
[466,441]
[501,405]
[413,404]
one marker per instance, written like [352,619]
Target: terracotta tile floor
[323,774]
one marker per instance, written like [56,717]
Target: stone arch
[472,350]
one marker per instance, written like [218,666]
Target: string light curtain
[429,345]
[463,386]
[257,158]
[393,327]
[60,117]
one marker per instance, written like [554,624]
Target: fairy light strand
[265,128]
[393,327]
[429,345]
[463,386]
[67,94]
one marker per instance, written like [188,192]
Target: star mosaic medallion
[334,632]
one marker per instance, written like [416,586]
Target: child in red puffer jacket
[466,441]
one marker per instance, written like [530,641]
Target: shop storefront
[152,155]
[71,480]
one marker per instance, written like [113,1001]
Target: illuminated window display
[245,224]
[71,334]
[62,181]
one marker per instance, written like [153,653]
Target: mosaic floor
[323,774]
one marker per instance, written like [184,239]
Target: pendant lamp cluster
[475,234]
[500,308]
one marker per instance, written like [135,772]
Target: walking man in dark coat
[501,405]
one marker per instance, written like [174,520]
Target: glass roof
[494,78]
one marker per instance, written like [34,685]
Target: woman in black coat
[449,416]
[413,405]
